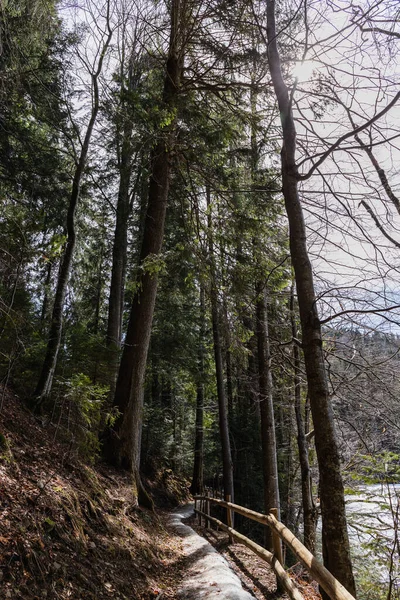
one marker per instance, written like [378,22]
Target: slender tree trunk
[290,464]
[98,303]
[122,447]
[251,386]
[335,542]
[118,273]
[310,513]
[227,466]
[268,438]
[117,285]
[45,305]
[43,388]
[226,339]
[119,258]
[228,362]
[198,467]
[99,290]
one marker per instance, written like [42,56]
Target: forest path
[208,575]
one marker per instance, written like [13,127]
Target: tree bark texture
[310,513]
[122,447]
[197,485]
[335,542]
[268,438]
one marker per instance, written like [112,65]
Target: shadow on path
[268,595]
[208,575]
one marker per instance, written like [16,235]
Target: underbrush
[68,530]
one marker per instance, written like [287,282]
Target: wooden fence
[318,572]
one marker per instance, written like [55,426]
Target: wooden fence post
[229,519]
[276,540]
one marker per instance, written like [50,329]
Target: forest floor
[69,531]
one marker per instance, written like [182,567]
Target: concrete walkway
[208,576]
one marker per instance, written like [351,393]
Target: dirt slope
[68,530]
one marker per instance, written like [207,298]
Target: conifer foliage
[198,243]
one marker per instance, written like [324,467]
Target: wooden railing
[318,572]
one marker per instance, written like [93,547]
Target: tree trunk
[117,285]
[119,257]
[43,388]
[310,513]
[227,466]
[268,438]
[96,322]
[99,290]
[198,468]
[45,305]
[122,446]
[226,335]
[228,362]
[335,542]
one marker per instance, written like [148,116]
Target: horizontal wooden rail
[287,583]
[334,589]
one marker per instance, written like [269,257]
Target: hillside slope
[68,530]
